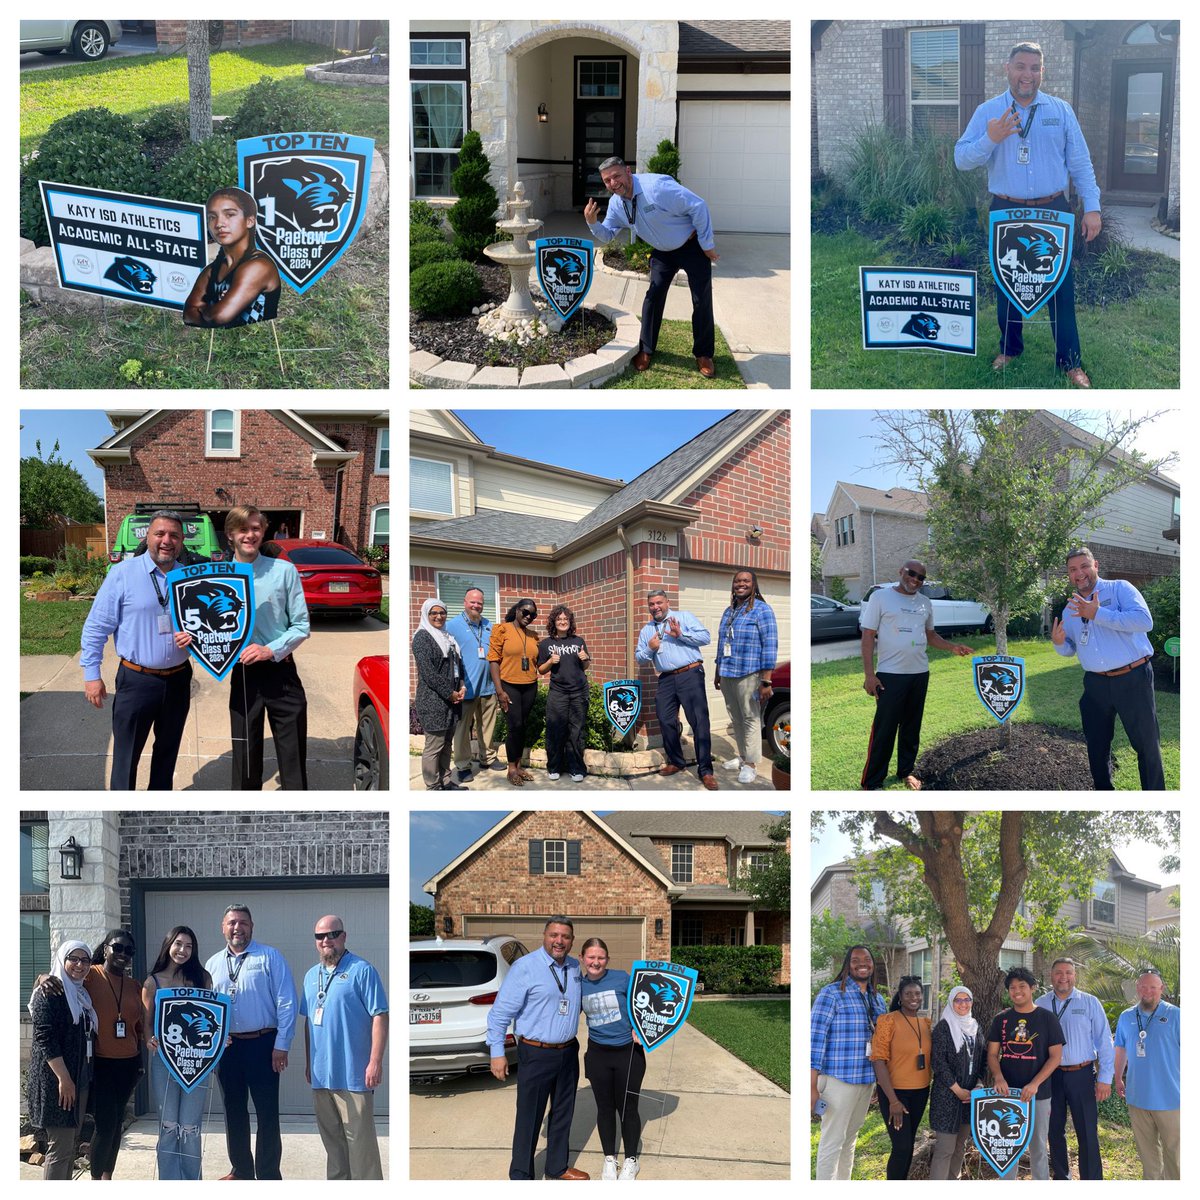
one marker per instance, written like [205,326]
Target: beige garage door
[624,936]
[283,918]
[705,594]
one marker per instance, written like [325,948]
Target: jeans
[181,1114]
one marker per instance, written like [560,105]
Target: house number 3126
[656,535]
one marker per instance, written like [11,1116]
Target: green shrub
[78,572]
[473,218]
[881,207]
[421,212]
[1162,599]
[925,223]
[665,160]
[444,289]
[1115,262]
[271,106]
[198,170]
[599,735]
[957,251]
[734,969]
[424,253]
[835,589]
[169,123]
[424,233]
[35,562]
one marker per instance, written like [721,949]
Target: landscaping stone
[497,377]
[582,371]
[452,374]
[545,377]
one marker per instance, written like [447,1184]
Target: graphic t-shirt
[604,1006]
[1025,1040]
[569,674]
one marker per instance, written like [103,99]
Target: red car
[371,732]
[335,579]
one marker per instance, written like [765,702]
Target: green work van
[200,538]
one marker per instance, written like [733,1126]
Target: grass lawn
[1131,345]
[674,365]
[51,626]
[1118,1152]
[842,711]
[383,609]
[756,1031]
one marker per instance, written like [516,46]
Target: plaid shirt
[839,1032]
[755,639]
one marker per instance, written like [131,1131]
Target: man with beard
[154,678]
[1105,625]
[899,621]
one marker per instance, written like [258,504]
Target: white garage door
[624,936]
[735,153]
[705,594]
[283,918]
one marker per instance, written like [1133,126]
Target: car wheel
[989,625]
[370,754]
[780,713]
[90,42]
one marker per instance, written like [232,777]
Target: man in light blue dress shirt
[263,1020]
[1105,624]
[675,222]
[670,643]
[543,994]
[1032,147]
[154,678]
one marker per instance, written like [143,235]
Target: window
[383,455]
[599,78]
[681,862]
[222,433]
[555,857]
[920,964]
[439,53]
[452,587]
[759,862]
[379,525]
[844,531]
[439,119]
[1104,902]
[35,858]
[431,486]
[933,82]
[1146,34]
[687,931]
[35,950]
[1009,959]
[876,902]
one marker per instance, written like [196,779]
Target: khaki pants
[948,1153]
[480,712]
[435,759]
[745,715]
[346,1121]
[845,1111]
[1156,1132]
[59,1162]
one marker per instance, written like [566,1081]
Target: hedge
[733,969]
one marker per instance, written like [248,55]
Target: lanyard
[870,1015]
[240,959]
[1054,1007]
[562,987]
[918,1028]
[1023,130]
[323,988]
[118,997]
[1137,1016]
[630,217]
[477,636]
[524,642]
[162,600]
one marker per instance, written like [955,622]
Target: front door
[599,134]
[1143,95]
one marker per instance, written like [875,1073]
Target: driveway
[76,755]
[832,651]
[705,1115]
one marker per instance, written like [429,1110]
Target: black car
[833,619]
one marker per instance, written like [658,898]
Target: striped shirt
[839,1032]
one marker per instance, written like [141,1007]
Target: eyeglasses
[961,1000]
[79,962]
[322,934]
[436,612]
[909,571]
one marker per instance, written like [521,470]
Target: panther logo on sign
[1001,1127]
[999,683]
[922,325]
[564,269]
[191,1025]
[1030,251]
[623,702]
[131,274]
[214,602]
[660,997]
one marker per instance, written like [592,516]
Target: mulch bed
[362,67]
[1038,758]
[615,260]
[459,340]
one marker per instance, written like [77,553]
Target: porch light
[754,532]
[70,855]
[543,115]
[448,924]
[658,926]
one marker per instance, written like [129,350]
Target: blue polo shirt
[1151,1082]
[341,1044]
[470,637]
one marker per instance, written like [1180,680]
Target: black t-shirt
[569,674]
[1025,1040]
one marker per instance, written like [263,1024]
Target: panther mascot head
[998,681]
[131,274]
[924,326]
[308,195]
[217,603]
[565,270]
[1036,252]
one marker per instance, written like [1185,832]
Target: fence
[48,542]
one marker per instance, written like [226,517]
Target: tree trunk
[199,82]
[1001,620]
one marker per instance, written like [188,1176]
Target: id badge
[524,664]
[1141,1049]
[89,1048]
[920,1062]
[564,1007]
[233,989]
[482,653]
[318,1014]
[1023,156]
[120,1029]
[869,1045]
[164,623]
[728,650]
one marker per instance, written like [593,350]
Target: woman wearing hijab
[959,1064]
[64,1025]
[512,659]
[900,1054]
[440,690]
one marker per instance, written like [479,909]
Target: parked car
[951,613]
[335,579]
[201,540]
[88,40]
[777,714]
[453,983]
[833,619]
[371,754]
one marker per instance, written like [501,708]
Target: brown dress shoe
[1002,360]
[1078,376]
[709,781]
[670,769]
[572,1173]
[641,360]
[706,367]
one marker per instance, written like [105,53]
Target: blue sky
[77,431]
[617,445]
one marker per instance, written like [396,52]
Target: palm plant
[1114,963]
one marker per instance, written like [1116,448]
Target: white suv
[951,614]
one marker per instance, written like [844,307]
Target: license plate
[339,587]
[424,1016]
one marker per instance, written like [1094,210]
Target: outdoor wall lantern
[543,115]
[70,859]
[447,924]
[754,532]
[658,926]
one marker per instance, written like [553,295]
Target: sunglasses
[908,571]
[120,948]
[321,935]
[527,612]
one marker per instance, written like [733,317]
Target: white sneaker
[576,778]
[748,774]
[610,1168]
[731,765]
[629,1169]
[554,775]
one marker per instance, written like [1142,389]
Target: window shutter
[535,858]
[971,65]
[894,92]
[573,857]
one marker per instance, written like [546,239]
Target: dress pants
[1130,697]
[245,1072]
[664,266]
[1076,1091]
[61,1141]
[544,1076]
[435,759]
[846,1107]
[684,688]
[346,1122]
[948,1153]
[745,715]
[898,708]
[143,702]
[480,712]
[113,1081]
[270,689]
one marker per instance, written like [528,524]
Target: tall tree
[52,488]
[771,885]
[200,125]
[974,878]
[1007,490]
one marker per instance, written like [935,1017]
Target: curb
[680,279]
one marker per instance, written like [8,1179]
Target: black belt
[546,1045]
[256,1034]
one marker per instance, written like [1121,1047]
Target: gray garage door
[283,918]
[624,936]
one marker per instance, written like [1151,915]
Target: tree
[771,885]
[830,938]
[962,876]
[200,124]
[1007,488]
[665,160]
[473,218]
[420,920]
[52,488]
[814,560]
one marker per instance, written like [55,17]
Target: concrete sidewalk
[1135,223]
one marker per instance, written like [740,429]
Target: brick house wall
[496,879]
[897,539]
[171,34]
[710,860]
[1139,567]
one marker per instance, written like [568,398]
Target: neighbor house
[553,99]
[1122,79]
[644,882]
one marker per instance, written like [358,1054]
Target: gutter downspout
[630,663]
